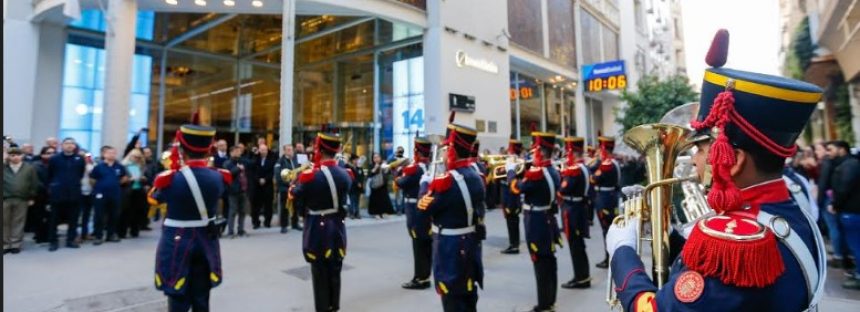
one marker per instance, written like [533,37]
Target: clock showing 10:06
[607,83]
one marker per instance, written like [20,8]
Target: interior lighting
[200,2]
[172,2]
[257,3]
[229,3]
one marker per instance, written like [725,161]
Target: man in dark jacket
[263,168]
[845,183]
[357,187]
[65,171]
[20,184]
[237,192]
[285,210]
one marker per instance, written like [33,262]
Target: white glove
[510,166]
[425,178]
[622,236]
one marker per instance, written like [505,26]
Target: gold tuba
[664,145]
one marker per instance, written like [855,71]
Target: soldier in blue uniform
[454,201]
[539,186]
[321,191]
[760,252]
[188,258]
[574,188]
[417,224]
[607,175]
[512,204]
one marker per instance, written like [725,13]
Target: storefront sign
[461,103]
[604,76]
[407,102]
[524,93]
[464,60]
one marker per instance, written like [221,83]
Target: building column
[49,77]
[288,42]
[20,67]
[579,107]
[119,55]
[854,102]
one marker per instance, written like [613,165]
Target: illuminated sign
[464,60]
[524,93]
[604,76]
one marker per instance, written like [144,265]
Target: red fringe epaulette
[163,179]
[442,184]
[534,174]
[737,250]
[228,177]
[572,171]
[308,175]
[410,170]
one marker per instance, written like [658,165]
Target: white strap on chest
[195,192]
[464,190]
[549,182]
[814,274]
[335,202]
[584,171]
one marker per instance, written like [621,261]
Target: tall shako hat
[461,139]
[476,148]
[191,137]
[573,145]
[742,108]
[541,140]
[327,140]
[753,112]
[423,146]
[606,145]
[515,147]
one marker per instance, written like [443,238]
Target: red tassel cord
[724,195]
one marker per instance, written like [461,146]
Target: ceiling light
[257,3]
[200,2]
[172,2]
[229,3]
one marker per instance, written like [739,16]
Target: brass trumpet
[496,165]
[402,161]
[290,174]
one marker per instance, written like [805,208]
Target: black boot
[603,264]
[580,284]
[512,250]
[416,284]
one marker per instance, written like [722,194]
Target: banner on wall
[408,102]
[243,113]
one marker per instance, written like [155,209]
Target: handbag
[376,181]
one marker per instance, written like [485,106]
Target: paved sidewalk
[265,272]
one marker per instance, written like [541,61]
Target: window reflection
[525,24]
[561,32]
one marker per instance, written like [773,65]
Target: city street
[265,272]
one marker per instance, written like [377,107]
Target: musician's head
[543,145]
[423,148]
[195,141]
[460,141]
[326,145]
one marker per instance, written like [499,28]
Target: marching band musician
[417,223]
[322,190]
[607,175]
[454,201]
[188,257]
[512,205]
[539,185]
[574,188]
[760,252]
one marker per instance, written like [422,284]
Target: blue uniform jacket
[172,261]
[64,175]
[788,293]
[541,225]
[108,180]
[417,223]
[574,188]
[324,236]
[457,264]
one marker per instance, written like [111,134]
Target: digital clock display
[606,83]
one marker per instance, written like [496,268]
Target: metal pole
[161,98]
[376,105]
[543,106]
[517,103]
